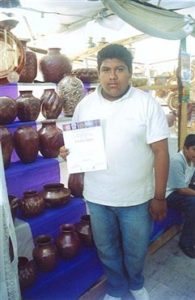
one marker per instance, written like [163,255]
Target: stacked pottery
[84,230]
[51,104]
[54,65]
[32,203]
[8,111]
[26,272]
[7,145]
[28,106]
[68,242]
[55,194]
[50,139]
[45,253]
[26,142]
[29,71]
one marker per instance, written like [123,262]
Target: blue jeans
[121,235]
[186,205]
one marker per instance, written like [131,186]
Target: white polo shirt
[129,125]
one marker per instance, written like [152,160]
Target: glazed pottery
[13,202]
[55,194]
[26,272]
[50,139]
[51,104]
[68,242]
[7,145]
[86,75]
[54,65]
[45,253]
[29,71]
[32,203]
[75,184]
[26,142]
[8,111]
[84,230]
[71,90]
[28,106]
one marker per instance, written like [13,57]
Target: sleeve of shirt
[157,125]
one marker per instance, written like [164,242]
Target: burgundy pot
[7,145]
[54,65]
[86,75]
[13,202]
[29,71]
[45,253]
[51,106]
[75,184]
[55,194]
[28,106]
[50,139]
[68,242]
[26,272]
[8,110]
[84,230]
[32,203]
[26,142]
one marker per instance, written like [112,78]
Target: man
[180,196]
[123,198]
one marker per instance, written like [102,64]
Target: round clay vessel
[45,253]
[8,111]
[68,242]
[32,203]
[26,142]
[29,71]
[75,184]
[84,230]
[28,106]
[26,272]
[7,145]
[51,104]
[54,65]
[55,194]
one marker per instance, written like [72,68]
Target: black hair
[189,140]
[115,51]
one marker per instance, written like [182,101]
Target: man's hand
[158,209]
[63,152]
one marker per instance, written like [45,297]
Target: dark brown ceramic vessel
[26,272]
[32,203]
[84,230]
[29,71]
[7,145]
[28,106]
[45,253]
[55,194]
[51,104]
[8,110]
[75,184]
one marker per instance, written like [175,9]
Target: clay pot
[84,230]
[54,66]
[68,242]
[55,194]
[26,142]
[71,90]
[51,106]
[8,111]
[32,203]
[75,184]
[13,202]
[86,75]
[50,139]
[26,272]
[29,71]
[45,253]
[7,145]
[28,106]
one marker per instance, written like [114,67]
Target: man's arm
[158,206]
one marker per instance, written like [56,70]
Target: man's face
[190,153]
[114,78]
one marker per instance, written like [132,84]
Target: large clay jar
[54,66]
[8,110]
[26,142]
[29,71]
[71,90]
[51,104]
[68,242]
[84,230]
[55,194]
[75,184]
[26,272]
[13,202]
[50,139]
[45,253]
[28,106]
[32,203]
[7,145]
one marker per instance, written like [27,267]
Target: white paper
[84,140]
